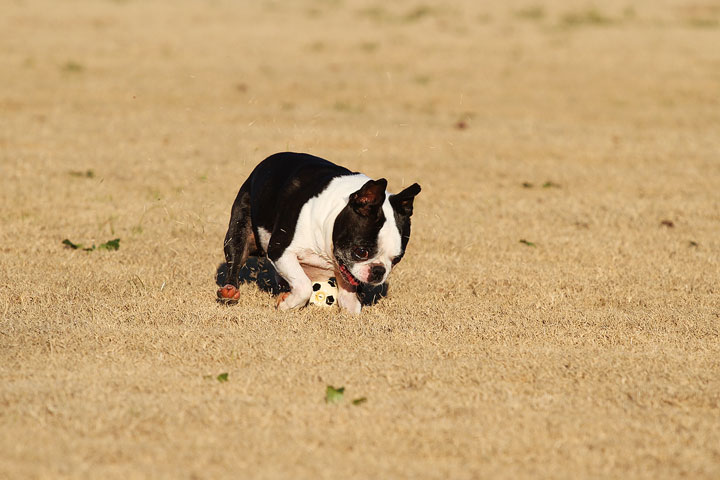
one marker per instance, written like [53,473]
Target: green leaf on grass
[223,377]
[334,395]
[529,244]
[359,401]
[77,246]
[109,245]
[113,244]
[70,244]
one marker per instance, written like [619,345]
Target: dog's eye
[360,253]
[396,260]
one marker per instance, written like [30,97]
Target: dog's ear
[403,201]
[369,198]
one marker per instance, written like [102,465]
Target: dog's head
[372,231]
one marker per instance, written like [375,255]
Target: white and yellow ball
[325,294]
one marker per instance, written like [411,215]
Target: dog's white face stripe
[389,241]
[389,246]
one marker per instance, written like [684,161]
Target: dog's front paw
[228,294]
[290,300]
[349,301]
[280,299]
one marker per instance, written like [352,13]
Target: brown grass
[593,353]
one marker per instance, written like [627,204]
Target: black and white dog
[315,220]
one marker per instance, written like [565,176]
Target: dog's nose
[377,272]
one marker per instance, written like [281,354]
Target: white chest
[317,266]
[312,258]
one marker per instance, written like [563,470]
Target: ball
[324,294]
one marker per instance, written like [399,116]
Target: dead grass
[592,352]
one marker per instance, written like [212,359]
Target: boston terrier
[315,220]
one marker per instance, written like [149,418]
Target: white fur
[349,301]
[264,238]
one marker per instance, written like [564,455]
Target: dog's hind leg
[239,244]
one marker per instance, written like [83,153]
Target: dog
[315,220]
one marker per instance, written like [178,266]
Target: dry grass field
[557,314]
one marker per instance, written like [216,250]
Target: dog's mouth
[349,277]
